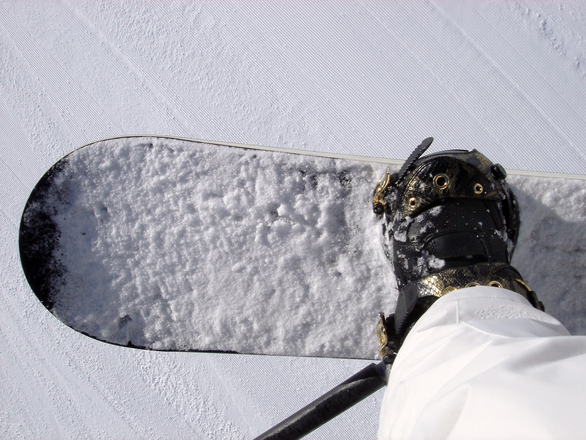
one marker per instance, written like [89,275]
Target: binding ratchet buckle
[387,346]
[378,196]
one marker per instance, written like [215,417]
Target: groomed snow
[360,78]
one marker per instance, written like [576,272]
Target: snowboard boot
[449,221]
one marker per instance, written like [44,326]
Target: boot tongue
[456,234]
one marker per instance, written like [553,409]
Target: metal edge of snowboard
[359,158]
[343,156]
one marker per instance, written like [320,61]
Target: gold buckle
[378,196]
[381,332]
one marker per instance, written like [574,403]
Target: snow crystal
[436,263]
[436,210]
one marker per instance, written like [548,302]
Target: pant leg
[483,363]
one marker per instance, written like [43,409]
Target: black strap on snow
[353,390]
[422,148]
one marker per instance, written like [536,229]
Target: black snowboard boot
[449,221]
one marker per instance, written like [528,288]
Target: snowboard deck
[175,244]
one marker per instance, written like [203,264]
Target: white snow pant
[482,363]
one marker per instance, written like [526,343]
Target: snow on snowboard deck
[173,244]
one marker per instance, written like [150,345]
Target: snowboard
[186,245]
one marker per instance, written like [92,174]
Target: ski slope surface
[372,79]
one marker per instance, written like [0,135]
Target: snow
[176,245]
[371,79]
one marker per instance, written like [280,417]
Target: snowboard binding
[449,221]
